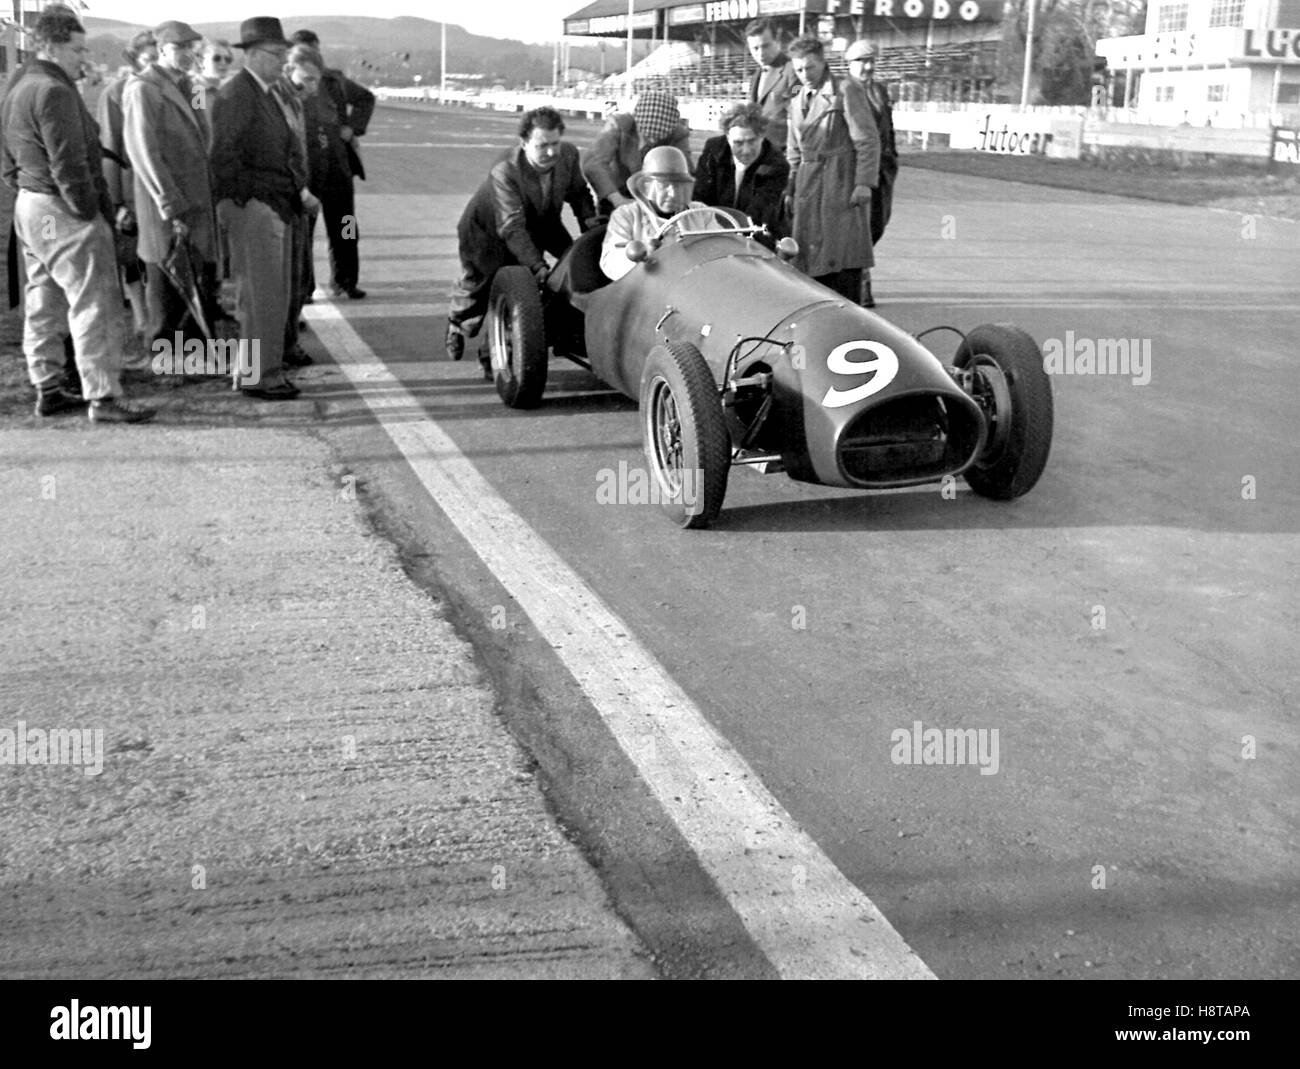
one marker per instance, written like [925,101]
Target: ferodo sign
[939,10]
[1009,134]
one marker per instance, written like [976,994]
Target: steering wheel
[720,213]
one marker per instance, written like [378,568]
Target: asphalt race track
[1128,629]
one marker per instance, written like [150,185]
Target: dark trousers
[847,284]
[165,310]
[303,228]
[338,206]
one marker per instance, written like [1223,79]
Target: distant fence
[1005,129]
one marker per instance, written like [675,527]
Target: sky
[525,20]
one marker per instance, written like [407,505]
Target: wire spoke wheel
[686,441]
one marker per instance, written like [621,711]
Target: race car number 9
[881,365]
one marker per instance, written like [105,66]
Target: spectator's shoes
[115,410]
[455,343]
[486,364]
[350,292]
[298,357]
[867,300]
[57,399]
[286,391]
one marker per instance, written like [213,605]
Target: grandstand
[928,50]
[961,72]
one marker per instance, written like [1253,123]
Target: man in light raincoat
[834,153]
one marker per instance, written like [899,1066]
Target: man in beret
[165,126]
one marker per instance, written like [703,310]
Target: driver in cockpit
[660,190]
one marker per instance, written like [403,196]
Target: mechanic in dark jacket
[515,217]
[743,170]
[64,222]
[339,113]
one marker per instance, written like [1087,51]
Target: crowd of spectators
[197,174]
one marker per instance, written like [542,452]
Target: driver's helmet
[665,163]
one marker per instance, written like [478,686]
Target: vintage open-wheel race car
[735,357]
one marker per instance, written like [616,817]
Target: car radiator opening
[907,439]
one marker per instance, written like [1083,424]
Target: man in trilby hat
[257,163]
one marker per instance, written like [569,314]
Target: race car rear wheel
[686,441]
[517,337]
[1016,395]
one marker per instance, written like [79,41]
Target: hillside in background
[394,51]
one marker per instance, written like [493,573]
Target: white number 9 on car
[881,365]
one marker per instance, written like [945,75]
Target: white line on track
[804,915]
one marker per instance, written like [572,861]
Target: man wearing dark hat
[165,127]
[623,143]
[861,58]
[256,164]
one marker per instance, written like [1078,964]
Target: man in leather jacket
[514,218]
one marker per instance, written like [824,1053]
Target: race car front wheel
[1013,390]
[686,441]
[517,337]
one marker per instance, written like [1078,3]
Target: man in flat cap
[165,126]
[861,58]
[256,164]
[63,219]
[621,146]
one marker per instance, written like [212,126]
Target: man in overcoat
[861,58]
[140,53]
[165,128]
[515,217]
[834,154]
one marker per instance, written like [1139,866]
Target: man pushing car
[514,218]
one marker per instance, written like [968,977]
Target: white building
[1217,62]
